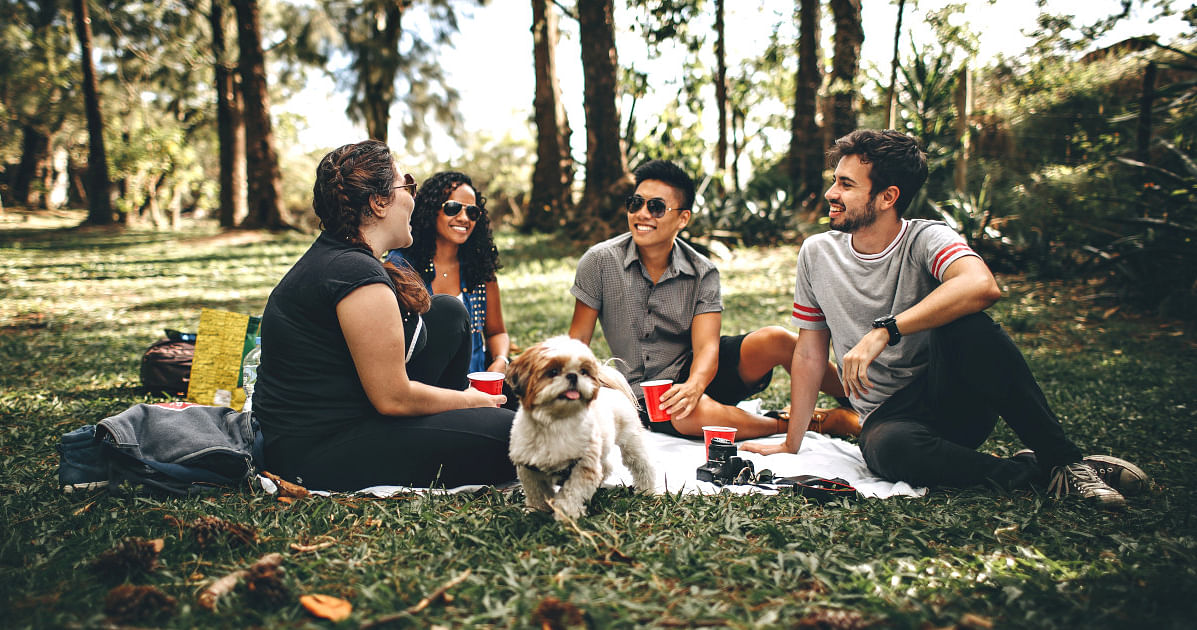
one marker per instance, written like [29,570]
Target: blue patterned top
[474,299]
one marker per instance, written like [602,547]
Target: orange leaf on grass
[327,606]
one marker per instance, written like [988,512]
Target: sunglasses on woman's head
[451,208]
[656,205]
[409,182]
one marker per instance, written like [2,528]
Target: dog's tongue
[572,394]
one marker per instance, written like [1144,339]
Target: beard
[851,222]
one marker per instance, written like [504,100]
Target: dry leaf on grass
[327,606]
[286,488]
[975,621]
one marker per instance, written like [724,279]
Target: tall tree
[721,86]
[806,144]
[554,171]
[383,56]
[607,176]
[891,110]
[261,161]
[99,204]
[371,31]
[37,91]
[230,127]
[845,62]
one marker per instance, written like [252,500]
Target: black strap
[818,488]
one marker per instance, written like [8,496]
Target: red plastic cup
[489,382]
[711,432]
[652,399]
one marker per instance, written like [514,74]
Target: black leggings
[448,449]
[928,432]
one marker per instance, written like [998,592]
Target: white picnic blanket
[677,458]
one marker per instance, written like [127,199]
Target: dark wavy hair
[671,174]
[478,257]
[346,179]
[896,158]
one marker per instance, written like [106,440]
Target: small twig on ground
[420,605]
[296,547]
[221,587]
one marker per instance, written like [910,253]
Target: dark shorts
[726,388]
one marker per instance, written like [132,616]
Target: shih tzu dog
[572,410]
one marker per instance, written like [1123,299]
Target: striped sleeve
[944,248]
[806,313]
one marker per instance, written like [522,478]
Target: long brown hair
[346,179]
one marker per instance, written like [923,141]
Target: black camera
[723,466]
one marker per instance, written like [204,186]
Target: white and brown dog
[572,410]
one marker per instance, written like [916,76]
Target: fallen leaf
[287,500]
[971,620]
[286,488]
[327,606]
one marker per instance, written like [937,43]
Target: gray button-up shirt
[647,325]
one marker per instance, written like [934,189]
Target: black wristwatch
[891,325]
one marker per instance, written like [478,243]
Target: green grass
[78,307]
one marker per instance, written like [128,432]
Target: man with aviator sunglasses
[660,306]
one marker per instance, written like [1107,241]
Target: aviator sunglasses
[451,208]
[656,205]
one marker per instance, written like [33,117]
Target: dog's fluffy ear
[518,373]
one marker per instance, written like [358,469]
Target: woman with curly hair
[338,409]
[454,252]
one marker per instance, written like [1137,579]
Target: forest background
[1070,165]
[1066,158]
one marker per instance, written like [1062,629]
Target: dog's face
[558,375]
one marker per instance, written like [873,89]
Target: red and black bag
[166,364]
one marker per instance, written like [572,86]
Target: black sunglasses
[656,205]
[451,208]
[409,182]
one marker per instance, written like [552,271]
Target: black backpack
[166,364]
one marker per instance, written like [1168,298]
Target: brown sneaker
[838,421]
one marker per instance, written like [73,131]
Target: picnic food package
[223,341]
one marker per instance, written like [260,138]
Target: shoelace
[1076,477]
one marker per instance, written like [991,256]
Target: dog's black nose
[572,377]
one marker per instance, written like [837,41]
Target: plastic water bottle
[249,372]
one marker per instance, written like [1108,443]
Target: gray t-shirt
[647,325]
[844,290]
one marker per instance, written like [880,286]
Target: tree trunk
[891,110]
[721,87]
[99,206]
[607,177]
[964,110]
[261,161]
[35,159]
[378,67]
[554,172]
[806,146]
[230,127]
[1146,101]
[849,36]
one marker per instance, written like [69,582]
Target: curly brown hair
[346,179]
[478,256]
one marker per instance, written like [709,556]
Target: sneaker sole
[1119,474]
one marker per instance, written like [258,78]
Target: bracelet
[504,357]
